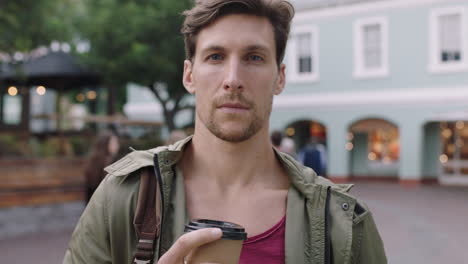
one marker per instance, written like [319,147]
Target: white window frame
[360,72]
[435,63]
[294,74]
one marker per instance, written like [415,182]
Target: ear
[187,77]
[281,81]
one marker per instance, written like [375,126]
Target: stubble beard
[254,123]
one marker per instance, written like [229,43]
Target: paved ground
[44,248]
[427,225]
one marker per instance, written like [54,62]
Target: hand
[187,242]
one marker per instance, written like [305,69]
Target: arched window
[383,145]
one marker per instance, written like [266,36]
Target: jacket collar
[167,156]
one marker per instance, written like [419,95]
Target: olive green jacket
[105,232]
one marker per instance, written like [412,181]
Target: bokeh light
[41,90]
[91,95]
[80,97]
[12,91]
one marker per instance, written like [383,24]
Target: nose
[232,80]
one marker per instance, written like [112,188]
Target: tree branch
[158,96]
[186,107]
[178,99]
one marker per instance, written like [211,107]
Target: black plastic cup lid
[230,230]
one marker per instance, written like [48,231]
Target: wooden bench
[41,181]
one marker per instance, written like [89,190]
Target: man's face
[234,76]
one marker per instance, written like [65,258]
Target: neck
[248,163]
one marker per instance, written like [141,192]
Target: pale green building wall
[408,33]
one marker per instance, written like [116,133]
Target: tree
[26,25]
[139,42]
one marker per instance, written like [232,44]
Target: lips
[234,106]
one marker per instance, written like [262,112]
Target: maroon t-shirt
[267,247]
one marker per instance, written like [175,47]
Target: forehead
[237,31]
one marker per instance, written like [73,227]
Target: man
[313,155]
[229,170]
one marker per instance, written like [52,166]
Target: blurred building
[384,85]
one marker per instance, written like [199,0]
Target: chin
[234,135]
[233,138]
[234,130]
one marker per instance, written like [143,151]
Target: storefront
[454,152]
[374,147]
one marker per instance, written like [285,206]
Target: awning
[54,70]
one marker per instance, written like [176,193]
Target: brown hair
[98,159]
[205,12]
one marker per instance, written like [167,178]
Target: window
[11,109]
[371,48]
[383,146]
[454,154]
[303,54]
[448,40]
[375,139]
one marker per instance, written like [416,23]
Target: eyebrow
[213,48]
[256,48]
[248,48]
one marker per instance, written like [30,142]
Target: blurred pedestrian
[313,155]
[276,139]
[282,143]
[103,152]
[288,146]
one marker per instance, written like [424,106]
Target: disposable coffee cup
[225,250]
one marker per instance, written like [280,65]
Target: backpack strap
[147,220]
[328,243]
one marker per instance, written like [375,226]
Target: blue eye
[215,57]
[255,58]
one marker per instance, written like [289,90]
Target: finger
[190,241]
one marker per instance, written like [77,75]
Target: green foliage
[145,142]
[25,24]
[53,147]
[9,146]
[12,146]
[49,148]
[79,145]
[137,41]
